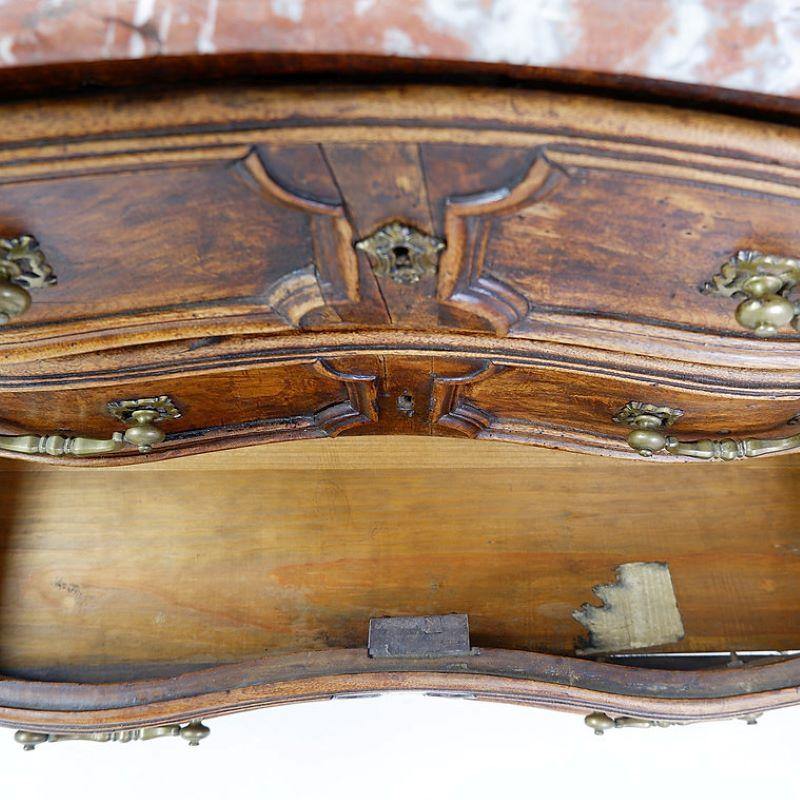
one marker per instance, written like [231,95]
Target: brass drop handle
[763,310]
[144,433]
[22,267]
[192,733]
[140,417]
[14,300]
[600,722]
[56,445]
[648,437]
[762,283]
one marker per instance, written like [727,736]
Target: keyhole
[405,404]
[401,254]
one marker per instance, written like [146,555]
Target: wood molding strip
[494,674]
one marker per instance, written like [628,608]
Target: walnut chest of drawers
[189,271]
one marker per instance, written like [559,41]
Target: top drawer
[522,213]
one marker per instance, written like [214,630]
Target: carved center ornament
[402,253]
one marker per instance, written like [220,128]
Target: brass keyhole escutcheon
[404,269]
[402,253]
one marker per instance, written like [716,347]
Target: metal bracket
[419,637]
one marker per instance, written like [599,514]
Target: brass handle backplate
[763,284]
[402,253]
[193,733]
[22,267]
[648,437]
[140,416]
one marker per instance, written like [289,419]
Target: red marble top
[752,45]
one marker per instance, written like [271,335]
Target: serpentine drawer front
[523,401]
[530,214]
[199,270]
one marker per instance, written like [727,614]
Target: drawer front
[307,399]
[589,412]
[520,213]
[639,245]
[173,247]
[590,409]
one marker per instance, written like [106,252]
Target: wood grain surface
[204,234]
[213,559]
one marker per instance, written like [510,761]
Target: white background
[412,746]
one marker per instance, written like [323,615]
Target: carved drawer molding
[252,226]
[453,410]
[464,280]
[332,279]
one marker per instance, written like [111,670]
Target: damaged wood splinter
[639,610]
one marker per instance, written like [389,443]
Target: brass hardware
[57,445]
[647,438]
[193,732]
[22,267]
[402,252]
[633,409]
[141,417]
[600,722]
[762,283]
[647,421]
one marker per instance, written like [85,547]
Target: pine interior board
[223,556]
